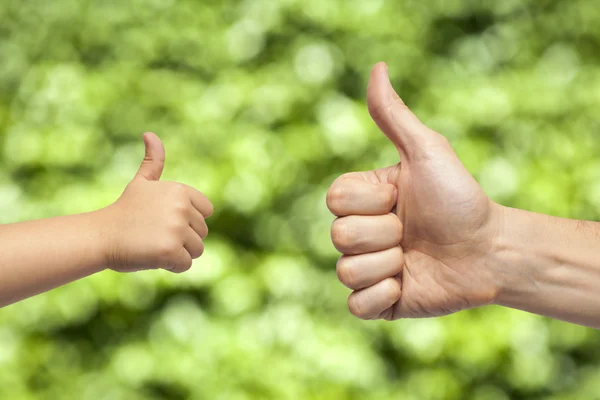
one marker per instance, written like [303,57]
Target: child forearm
[36,256]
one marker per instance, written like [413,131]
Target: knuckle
[346,273]
[179,191]
[355,306]
[169,249]
[181,206]
[342,234]
[186,266]
[177,226]
[335,198]
[198,251]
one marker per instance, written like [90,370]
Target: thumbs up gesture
[156,224]
[415,235]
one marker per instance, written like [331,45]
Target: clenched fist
[415,235]
[156,224]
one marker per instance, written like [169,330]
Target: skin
[153,225]
[421,239]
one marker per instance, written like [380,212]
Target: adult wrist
[513,255]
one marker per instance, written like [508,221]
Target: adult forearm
[549,266]
[36,256]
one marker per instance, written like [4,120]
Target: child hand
[155,224]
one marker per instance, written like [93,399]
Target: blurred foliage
[261,105]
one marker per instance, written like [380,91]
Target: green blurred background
[261,104]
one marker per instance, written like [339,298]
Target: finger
[198,224]
[154,159]
[390,113]
[193,244]
[371,302]
[358,197]
[365,234]
[200,202]
[182,262]
[364,270]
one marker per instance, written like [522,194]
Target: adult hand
[415,235]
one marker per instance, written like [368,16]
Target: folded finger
[359,197]
[200,202]
[364,270]
[182,262]
[193,244]
[365,234]
[198,224]
[372,302]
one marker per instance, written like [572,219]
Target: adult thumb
[390,113]
[154,160]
